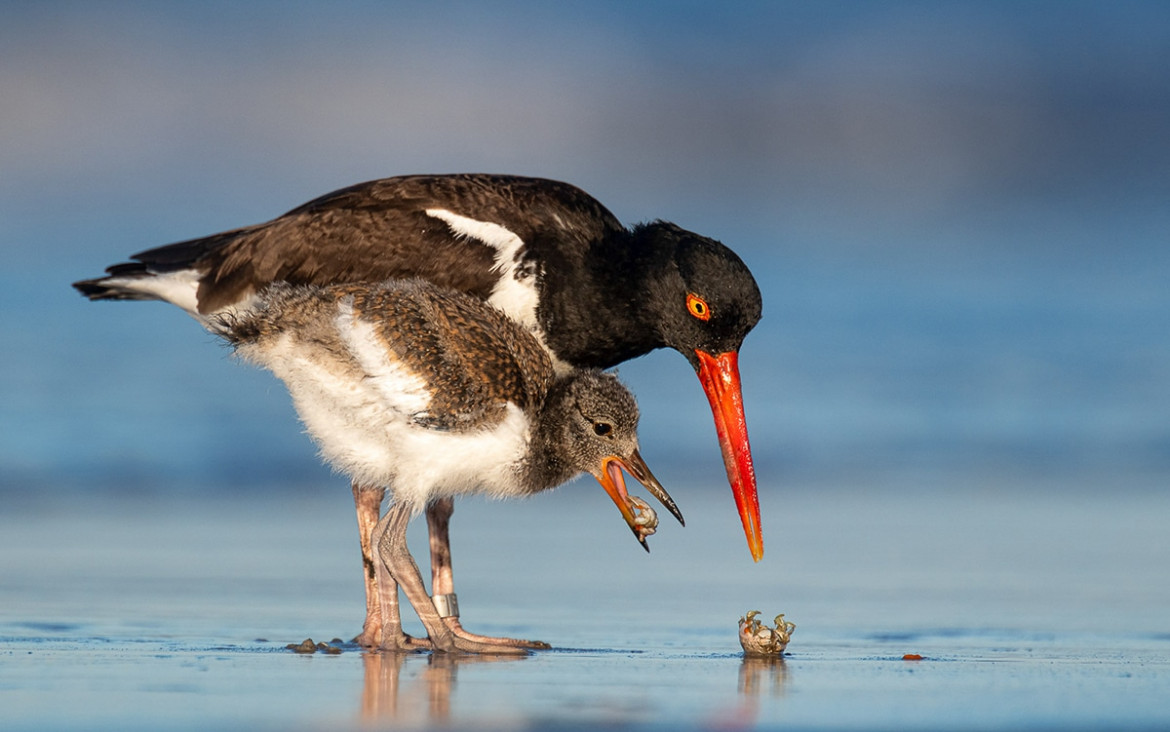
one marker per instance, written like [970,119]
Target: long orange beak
[720,378]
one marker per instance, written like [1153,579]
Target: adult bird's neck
[602,307]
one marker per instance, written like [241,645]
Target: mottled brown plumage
[435,394]
[475,358]
[545,252]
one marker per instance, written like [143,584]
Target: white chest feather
[363,412]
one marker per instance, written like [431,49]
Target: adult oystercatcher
[436,394]
[550,256]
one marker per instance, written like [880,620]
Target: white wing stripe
[401,388]
[515,292]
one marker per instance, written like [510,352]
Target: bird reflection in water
[426,698]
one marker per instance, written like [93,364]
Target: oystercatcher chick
[547,254]
[436,394]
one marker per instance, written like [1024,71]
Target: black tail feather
[100,288]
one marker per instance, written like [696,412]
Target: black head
[705,302]
[706,298]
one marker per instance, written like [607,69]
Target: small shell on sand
[758,639]
[308,646]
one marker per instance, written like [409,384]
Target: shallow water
[1039,608]
[957,218]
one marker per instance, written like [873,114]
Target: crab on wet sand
[758,639]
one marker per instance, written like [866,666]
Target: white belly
[364,413]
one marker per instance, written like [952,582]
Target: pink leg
[443,581]
[368,502]
[389,540]
[383,626]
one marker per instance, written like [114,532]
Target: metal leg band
[446,605]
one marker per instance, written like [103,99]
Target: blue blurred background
[958,213]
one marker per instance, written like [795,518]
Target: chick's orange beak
[720,378]
[613,481]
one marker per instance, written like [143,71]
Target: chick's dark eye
[602,429]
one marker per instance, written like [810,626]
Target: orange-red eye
[698,307]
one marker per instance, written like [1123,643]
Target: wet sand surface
[1037,606]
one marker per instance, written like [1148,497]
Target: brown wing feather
[341,246]
[379,230]
[476,359]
